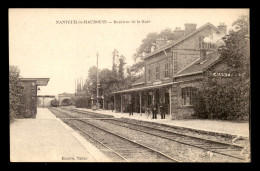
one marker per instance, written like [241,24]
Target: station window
[188,95]
[158,72]
[149,74]
[166,72]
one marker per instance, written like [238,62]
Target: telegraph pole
[97,81]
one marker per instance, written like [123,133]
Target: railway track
[125,149]
[221,148]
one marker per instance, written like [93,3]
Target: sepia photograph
[129,85]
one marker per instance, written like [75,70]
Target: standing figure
[162,107]
[112,106]
[94,107]
[148,111]
[154,111]
[130,108]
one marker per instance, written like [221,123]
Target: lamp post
[92,101]
[103,102]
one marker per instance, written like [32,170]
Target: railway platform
[224,128]
[48,139]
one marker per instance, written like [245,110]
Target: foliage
[145,48]
[150,39]
[219,101]
[229,100]
[109,80]
[136,69]
[83,103]
[121,68]
[16,100]
[236,49]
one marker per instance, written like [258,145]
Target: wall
[188,50]
[220,68]
[159,59]
[30,94]
[179,111]
[185,53]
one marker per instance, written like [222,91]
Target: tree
[236,53]
[229,100]
[90,86]
[121,67]
[16,99]
[145,48]
[236,49]
[107,81]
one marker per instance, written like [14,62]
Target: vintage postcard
[129,85]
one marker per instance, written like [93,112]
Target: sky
[43,45]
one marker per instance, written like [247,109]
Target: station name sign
[224,74]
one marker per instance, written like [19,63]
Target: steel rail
[205,144]
[134,142]
[127,139]
[185,143]
[189,143]
[98,141]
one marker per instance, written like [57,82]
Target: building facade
[30,85]
[174,71]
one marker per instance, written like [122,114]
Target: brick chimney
[178,33]
[160,42]
[222,28]
[189,28]
[203,55]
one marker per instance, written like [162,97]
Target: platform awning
[39,81]
[46,96]
[144,88]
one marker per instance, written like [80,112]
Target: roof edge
[182,39]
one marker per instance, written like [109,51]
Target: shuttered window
[149,74]
[157,72]
[166,72]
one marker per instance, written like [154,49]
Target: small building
[30,85]
[174,71]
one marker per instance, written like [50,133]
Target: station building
[30,85]
[174,71]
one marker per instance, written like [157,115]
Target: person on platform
[162,110]
[148,111]
[130,108]
[112,106]
[154,111]
[94,107]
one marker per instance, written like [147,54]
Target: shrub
[16,100]
[83,103]
[221,101]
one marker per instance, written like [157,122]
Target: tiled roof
[139,81]
[175,42]
[199,67]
